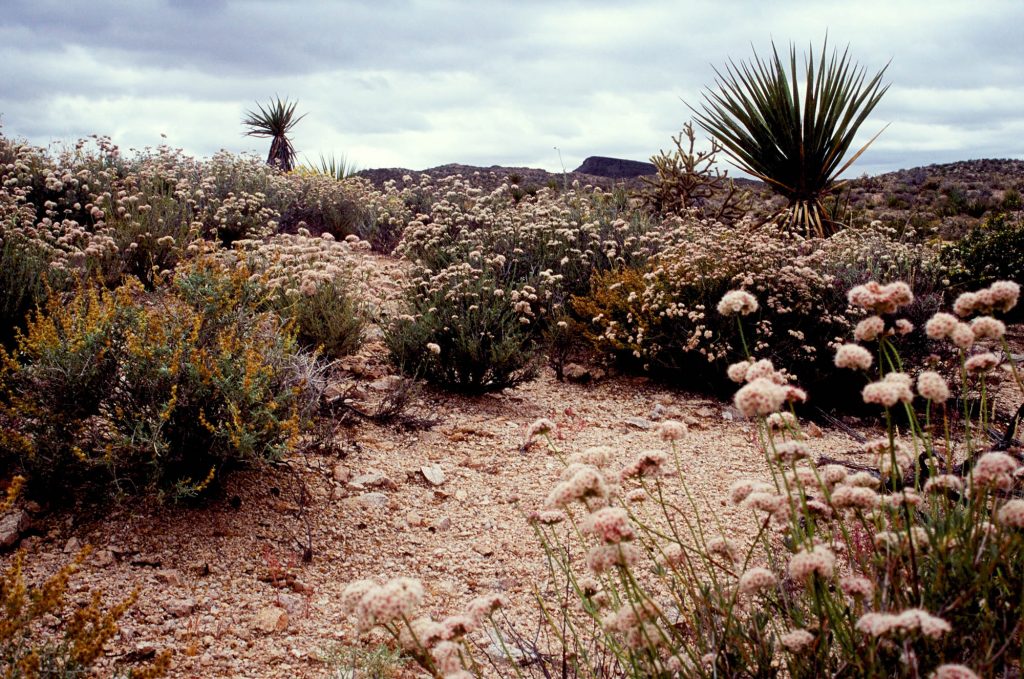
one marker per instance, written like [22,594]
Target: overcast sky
[397,83]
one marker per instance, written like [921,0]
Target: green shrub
[462,330]
[156,390]
[660,315]
[990,251]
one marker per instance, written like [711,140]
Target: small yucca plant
[339,167]
[794,141]
[275,120]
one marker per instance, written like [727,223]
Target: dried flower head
[940,326]
[790,451]
[857,587]
[881,299]
[962,336]
[854,497]
[738,371]
[994,470]
[602,558]
[739,490]
[784,421]
[586,483]
[950,671]
[480,608]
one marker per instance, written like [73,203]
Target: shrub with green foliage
[660,315]
[138,391]
[491,272]
[990,251]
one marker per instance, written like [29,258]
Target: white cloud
[422,83]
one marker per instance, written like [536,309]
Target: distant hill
[615,168]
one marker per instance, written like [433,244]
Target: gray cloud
[421,83]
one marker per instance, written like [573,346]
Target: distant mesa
[615,168]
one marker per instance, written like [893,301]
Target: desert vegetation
[172,328]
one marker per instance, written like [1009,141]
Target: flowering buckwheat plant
[911,568]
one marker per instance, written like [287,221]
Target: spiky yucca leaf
[794,142]
[338,166]
[275,120]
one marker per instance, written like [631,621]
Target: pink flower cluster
[994,470]
[820,560]
[853,357]
[1000,296]
[610,525]
[756,580]
[910,621]
[602,558]
[943,325]
[796,641]
[760,397]
[647,463]
[892,389]
[980,363]
[932,386]
[1012,514]
[854,497]
[584,484]
[381,604]
[856,587]
[740,490]
[951,671]
[869,329]
[881,299]
[737,302]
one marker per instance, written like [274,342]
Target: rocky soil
[249,584]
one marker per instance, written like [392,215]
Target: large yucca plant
[275,120]
[794,142]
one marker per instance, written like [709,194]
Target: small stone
[12,525]
[414,519]
[813,430]
[460,495]
[706,412]
[169,577]
[271,619]
[387,383]
[179,608]
[373,500]
[73,546]
[574,372]
[373,480]
[640,423]
[292,603]
[482,548]
[104,558]
[442,524]
[341,473]
[433,474]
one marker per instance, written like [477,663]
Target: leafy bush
[462,330]
[905,568]
[660,315]
[492,272]
[310,282]
[29,652]
[992,250]
[149,390]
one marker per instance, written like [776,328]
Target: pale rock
[179,608]
[373,479]
[373,500]
[294,604]
[574,372]
[271,619]
[482,548]
[104,558]
[169,576]
[442,524]
[73,546]
[12,525]
[341,473]
[433,474]
[640,423]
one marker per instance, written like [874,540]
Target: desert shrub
[156,390]
[991,250]
[29,651]
[491,273]
[311,282]
[659,315]
[904,567]
[323,204]
[461,329]
[688,180]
